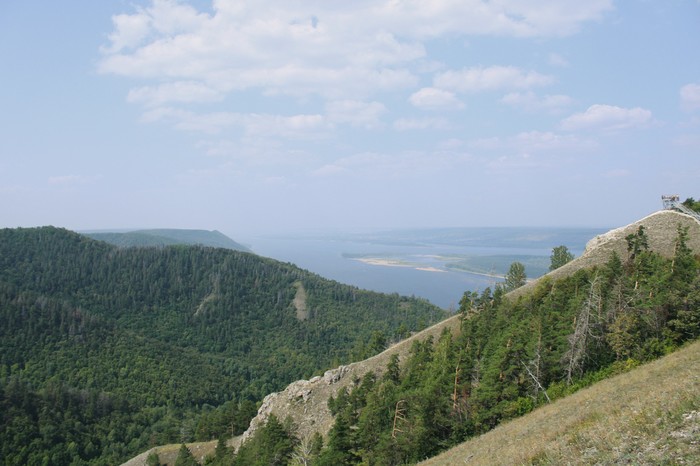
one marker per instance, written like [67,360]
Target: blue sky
[262,117]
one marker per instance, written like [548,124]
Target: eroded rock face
[306,401]
[303,400]
[334,375]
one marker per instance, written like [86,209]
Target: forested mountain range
[106,351]
[634,295]
[167,237]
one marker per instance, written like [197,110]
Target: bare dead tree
[536,381]
[303,452]
[454,391]
[536,363]
[399,417]
[585,323]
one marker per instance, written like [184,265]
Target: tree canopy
[515,278]
[560,256]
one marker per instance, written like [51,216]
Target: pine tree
[515,278]
[560,256]
[185,458]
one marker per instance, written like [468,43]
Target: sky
[281,116]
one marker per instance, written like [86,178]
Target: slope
[127,338]
[650,415]
[305,402]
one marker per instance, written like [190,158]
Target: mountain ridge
[160,237]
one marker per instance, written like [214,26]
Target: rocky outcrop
[306,401]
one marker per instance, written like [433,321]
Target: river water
[419,260]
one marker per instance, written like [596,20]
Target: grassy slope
[650,415]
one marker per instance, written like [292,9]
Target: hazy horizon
[265,117]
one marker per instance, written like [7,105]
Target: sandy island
[398,263]
[395,263]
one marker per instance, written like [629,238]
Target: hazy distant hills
[167,237]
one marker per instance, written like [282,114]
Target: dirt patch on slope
[300,302]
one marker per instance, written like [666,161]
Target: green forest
[106,351]
[509,357]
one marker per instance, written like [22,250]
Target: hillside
[116,350]
[648,416]
[167,237]
[501,339]
[661,229]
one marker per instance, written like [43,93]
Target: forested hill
[167,237]
[106,351]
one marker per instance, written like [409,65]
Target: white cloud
[410,124]
[386,166]
[210,123]
[607,118]
[529,101]
[431,98]
[548,141]
[536,142]
[690,96]
[292,127]
[492,78]
[356,113]
[557,60]
[517,162]
[179,91]
[503,18]
[302,126]
[129,32]
[341,50]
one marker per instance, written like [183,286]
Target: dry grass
[650,415]
[167,454]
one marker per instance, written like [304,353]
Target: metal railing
[673,202]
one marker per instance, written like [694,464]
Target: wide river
[416,262]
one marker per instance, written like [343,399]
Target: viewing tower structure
[673,202]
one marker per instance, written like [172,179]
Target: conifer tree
[560,256]
[185,458]
[515,278]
